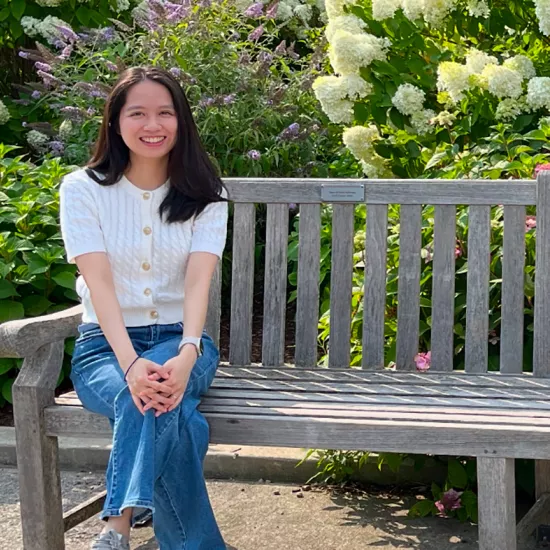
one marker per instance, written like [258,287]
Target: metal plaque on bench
[343,193]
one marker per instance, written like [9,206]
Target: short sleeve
[210,229]
[79,216]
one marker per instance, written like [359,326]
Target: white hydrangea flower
[542,10]
[355,86]
[4,113]
[331,94]
[435,11]
[336,7]
[479,8]
[409,99]
[46,28]
[359,140]
[509,109]
[65,130]
[37,139]
[503,82]
[538,92]
[477,60]
[421,121]
[412,9]
[49,3]
[284,11]
[444,118]
[453,78]
[370,170]
[241,5]
[348,22]
[349,52]
[523,65]
[384,9]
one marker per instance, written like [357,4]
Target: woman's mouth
[153,141]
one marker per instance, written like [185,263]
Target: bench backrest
[445,195]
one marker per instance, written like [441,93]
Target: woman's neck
[147,173]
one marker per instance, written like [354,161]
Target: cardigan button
[146,266]
[146,196]
[147,292]
[154,314]
[147,230]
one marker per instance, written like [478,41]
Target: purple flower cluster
[253,154]
[57,147]
[73,113]
[175,71]
[291,132]
[36,94]
[43,67]
[254,10]
[256,34]
[111,66]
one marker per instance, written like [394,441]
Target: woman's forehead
[148,94]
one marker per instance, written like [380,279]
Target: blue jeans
[156,463]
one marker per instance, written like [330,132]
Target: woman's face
[148,122]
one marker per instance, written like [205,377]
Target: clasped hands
[161,387]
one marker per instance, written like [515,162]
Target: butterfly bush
[253,103]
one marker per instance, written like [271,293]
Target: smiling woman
[145,222]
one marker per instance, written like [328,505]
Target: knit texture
[148,257]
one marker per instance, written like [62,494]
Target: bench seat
[462,414]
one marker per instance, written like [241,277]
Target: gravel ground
[270,517]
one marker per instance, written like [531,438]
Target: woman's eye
[136,113]
[169,113]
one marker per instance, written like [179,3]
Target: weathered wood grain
[477,295]
[408,297]
[340,285]
[273,338]
[512,294]
[242,283]
[307,307]
[375,285]
[443,289]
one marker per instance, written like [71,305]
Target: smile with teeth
[153,139]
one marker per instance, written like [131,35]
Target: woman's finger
[137,402]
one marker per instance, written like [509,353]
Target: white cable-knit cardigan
[148,257]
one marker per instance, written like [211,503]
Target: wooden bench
[495,417]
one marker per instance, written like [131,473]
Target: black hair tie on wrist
[131,365]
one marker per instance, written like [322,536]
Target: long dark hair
[194,182]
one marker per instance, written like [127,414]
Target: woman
[145,223]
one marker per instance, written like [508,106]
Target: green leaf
[66,279]
[436,159]
[83,15]
[4,13]
[16,29]
[35,305]
[6,390]
[18,8]
[10,311]
[469,501]
[6,365]
[422,509]
[7,290]
[457,475]
[397,118]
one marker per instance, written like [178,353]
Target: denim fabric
[155,463]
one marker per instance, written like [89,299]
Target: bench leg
[37,459]
[497,503]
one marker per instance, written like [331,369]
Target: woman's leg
[183,518]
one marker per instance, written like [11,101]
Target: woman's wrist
[127,360]
[189,351]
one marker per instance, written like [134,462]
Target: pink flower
[423,361]
[272,10]
[530,222]
[449,501]
[458,252]
[541,167]
[256,33]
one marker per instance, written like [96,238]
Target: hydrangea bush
[419,84]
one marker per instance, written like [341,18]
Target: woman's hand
[175,373]
[144,382]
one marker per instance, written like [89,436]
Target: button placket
[146,267]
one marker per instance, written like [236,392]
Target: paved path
[269,517]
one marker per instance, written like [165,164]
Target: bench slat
[340,284]
[512,295]
[213,315]
[307,309]
[242,283]
[302,191]
[380,435]
[443,285]
[408,297]
[375,285]
[541,345]
[273,339]
[477,295]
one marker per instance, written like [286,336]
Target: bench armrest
[24,337]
